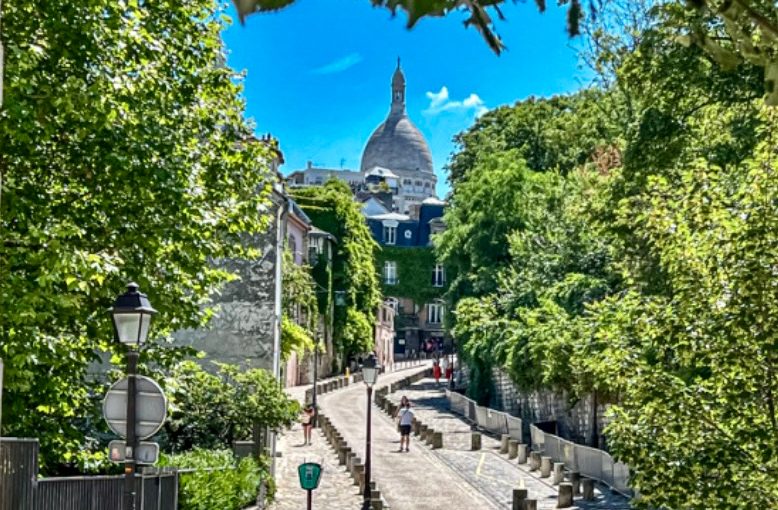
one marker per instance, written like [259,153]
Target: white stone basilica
[396,170]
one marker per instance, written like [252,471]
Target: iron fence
[21,489]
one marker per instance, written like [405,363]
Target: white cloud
[339,65]
[441,102]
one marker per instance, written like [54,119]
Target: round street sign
[150,407]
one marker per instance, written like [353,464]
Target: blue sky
[318,74]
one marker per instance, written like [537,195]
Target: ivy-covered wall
[414,273]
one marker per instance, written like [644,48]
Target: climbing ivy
[414,273]
[332,208]
[300,308]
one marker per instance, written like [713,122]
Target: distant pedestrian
[444,364]
[449,372]
[436,372]
[307,421]
[405,418]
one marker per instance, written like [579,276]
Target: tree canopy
[125,156]
[642,273]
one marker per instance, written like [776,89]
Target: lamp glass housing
[131,314]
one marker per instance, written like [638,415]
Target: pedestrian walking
[405,418]
[449,372]
[436,372]
[307,421]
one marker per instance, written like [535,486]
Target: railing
[493,421]
[590,462]
[21,489]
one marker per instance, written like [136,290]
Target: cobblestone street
[451,477]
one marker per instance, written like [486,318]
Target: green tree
[332,208]
[125,156]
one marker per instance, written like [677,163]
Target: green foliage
[125,156]
[332,208]
[218,481]
[478,13]
[211,410]
[415,266]
[298,324]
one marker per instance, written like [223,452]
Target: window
[390,272]
[293,245]
[406,182]
[435,313]
[390,235]
[438,276]
[313,255]
[392,303]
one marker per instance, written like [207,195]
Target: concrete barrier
[513,449]
[522,453]
[504,443]
[534,461]
[587,484]
[575,480]
[565,498]
[475,440]
[559,473]
[545,467]
[519,496]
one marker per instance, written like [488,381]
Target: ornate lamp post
[370,375]
[131,314]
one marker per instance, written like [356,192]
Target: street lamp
[369,375]
[131,314]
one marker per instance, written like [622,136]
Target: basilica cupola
[397,144]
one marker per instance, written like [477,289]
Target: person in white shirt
[405,416]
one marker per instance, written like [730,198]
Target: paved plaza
[442,479]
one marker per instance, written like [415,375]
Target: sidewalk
[486,470]
[408,481]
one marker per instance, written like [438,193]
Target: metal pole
[315,380]
[129,461]
[310,499]
[367,445]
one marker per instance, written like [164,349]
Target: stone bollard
[534,461]
[362,481]
[377,504]
[475,440]
[559,473]
[342,452]
[513,449]
[415,424]
[423,431]
[587,484]
[375,494]
[428,439]
[545,467]
[359,469]
[519,496]
[565,499]
[530,504]
[575,480]
[437,440]
[504,443]
[522,452]
[350,458]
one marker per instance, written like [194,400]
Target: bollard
[350,458]
[545,467]
[415,424]
[362,481]
[559,473]
[522,454]
[513,449]
[437,440]
[530,504]
[375,494]
[587,484]
[565,499]
[423,431]
[534,461]
[504,443]
[377,504]
[342,453]
[428,439]
[519,496]
[575,480]
[359,469]
[475,440]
